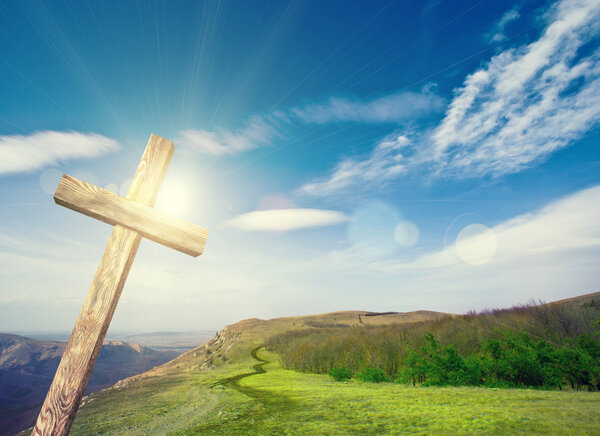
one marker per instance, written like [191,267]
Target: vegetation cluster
[544,346]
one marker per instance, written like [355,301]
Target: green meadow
[268,377]
[242,399]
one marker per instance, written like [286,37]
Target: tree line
[539,345]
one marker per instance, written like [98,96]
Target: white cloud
[385,162]
[557,231]
[260,131]
[546,254]
[286,219]
[497,33]
[29,152]
[394,108]
[525,103]
[257,132]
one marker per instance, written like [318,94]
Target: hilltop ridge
[254,331]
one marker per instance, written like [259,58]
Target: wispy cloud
[526,102]
[497,33]
[567,225]
[385,161]
[523,105]
[286,219]
[29,152]
[260,131]
[545,254]
[394,108]
[257,132]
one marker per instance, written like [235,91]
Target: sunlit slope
[232,344]
[185,391]
[289,402]
[267,399]
[231,385]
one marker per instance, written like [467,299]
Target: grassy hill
[233,385]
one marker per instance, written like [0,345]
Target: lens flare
[112,187]
[124,188]
[476,244]
[371,230]
[49,179]
[406,234]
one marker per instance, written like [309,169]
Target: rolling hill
[232,384]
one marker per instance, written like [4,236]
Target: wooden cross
[132,218]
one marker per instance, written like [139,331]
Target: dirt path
[234,382]
[266,398]
[265,405]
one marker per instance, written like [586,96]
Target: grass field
[242,399]
[231,385]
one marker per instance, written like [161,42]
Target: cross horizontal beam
[114,209]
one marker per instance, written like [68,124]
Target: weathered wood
[75,368]
[113,209]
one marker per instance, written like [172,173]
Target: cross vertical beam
[75,368]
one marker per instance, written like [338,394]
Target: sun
[174,198]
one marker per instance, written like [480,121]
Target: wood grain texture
[113,209]
[75,368]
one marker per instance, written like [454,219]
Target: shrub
[340,374]
[372,375]
[548,346]
[414,370]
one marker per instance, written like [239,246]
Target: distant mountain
[164,340]
[169,341]
[27,367]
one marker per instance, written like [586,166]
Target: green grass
[279,401]
[158,405]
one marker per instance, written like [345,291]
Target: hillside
[235,339]
[233,385]
[27,367]
[388,347]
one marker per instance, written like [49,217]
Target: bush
[372,375]
[548,347]
[414,369]
[514,360]
[340,374]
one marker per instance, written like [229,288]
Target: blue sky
[365,155]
